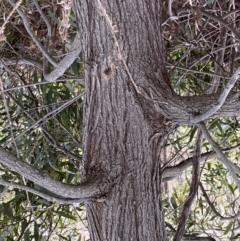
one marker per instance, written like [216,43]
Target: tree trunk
[122,47]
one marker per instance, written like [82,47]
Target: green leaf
[192,133]
[36,231]
[228,227]
[232,188]
[209,1]
[174,203]
[27,235]
[53,17]
[67,215]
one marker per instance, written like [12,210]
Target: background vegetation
[41,121]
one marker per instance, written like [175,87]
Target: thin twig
[51,198]
[34,38]
[13,140]
[214,17]
[220,154]
[172,172]
[193,189]
[45,19]
[17,4]
[49,115]
[196,71]
[48,136]
[81,80]
[237,215]
[66,62]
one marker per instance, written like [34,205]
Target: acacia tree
[130,108]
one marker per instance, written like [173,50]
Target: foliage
[45,124]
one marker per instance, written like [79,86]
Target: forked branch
[221,100]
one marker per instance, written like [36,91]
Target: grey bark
[88,189]
[118,139]
[129,109]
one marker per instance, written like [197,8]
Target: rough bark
[129,109]
[120,138]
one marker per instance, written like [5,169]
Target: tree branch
[66,62]
[204,116]
[48,136]
[220,154]
[190,237]
[22,61]
[34,38]
[91,188]
[51,198]
[193,189]
[172,172]
[215,18]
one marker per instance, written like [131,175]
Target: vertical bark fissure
[118,138]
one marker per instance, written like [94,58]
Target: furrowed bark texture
[120,138]
[129,109]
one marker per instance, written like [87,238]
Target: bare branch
[81,80]
[66,62]
[42,120]
[215,18]
[22,61]
[221,100]
[220,154]
[51,198]
[49,29]
[48,136]
[90,188]
[172,172]
[190,237]
[193,189]
[17,4]
[219,61]
[28,28]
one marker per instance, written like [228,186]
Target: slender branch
[193,189]
[215,18]
[170,13]
[222,21]
[172,172]
[196,71]
[209,201]
[22,61]
[81,80]
[48,136]
[51,198]
[16,5]
[220,154]
[66,62]
[221,100]
[13,139]
[30,32]
[190,237]
[219,61]
[237,215]
[91,188]
[45,19]
[41,121]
